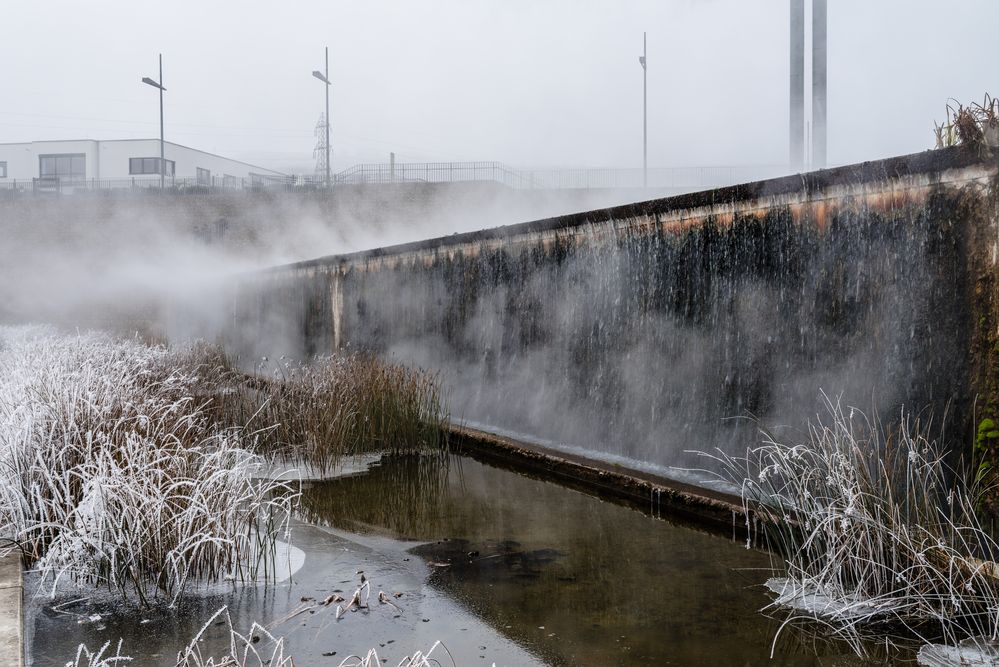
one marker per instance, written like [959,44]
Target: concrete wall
[639,332]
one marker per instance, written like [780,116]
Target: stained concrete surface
[11,596]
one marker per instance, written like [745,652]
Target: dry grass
[340,406]
[876,530]
[975,125]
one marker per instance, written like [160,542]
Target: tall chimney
[796,126]
[819,83]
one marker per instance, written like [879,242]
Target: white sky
[530,83]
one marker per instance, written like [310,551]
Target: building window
[63,167]
[204,176]
[138,166]
[3,170]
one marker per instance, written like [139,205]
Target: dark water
[576,580]
[502,568]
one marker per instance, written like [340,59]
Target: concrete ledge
[926,162]
[654,495]
[11,611]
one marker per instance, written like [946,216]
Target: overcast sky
[531,83]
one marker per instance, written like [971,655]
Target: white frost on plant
[112,473]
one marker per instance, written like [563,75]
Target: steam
[643,348]
[133,262]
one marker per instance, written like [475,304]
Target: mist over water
[643,345]
[125,260]
[642,348]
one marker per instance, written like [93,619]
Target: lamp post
[325,78]
[645,115]
[159,84]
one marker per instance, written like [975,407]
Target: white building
[121,162]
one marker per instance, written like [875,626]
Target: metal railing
[63,185]
[675,179]
[553,179]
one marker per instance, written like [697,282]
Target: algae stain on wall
[646,333]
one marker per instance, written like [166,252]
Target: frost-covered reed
[417,659]
[875,529]
[113,473]
[257,647]
[105,656]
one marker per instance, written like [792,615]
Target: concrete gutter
[651,494]
[11,611]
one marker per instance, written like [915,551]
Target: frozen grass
[99,658]
[340,406]
[113,474]
[255,648]
[141,468]
[876,530]
[418,659]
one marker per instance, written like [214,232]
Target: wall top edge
[878,171]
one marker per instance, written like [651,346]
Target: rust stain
[806,208]
[819,210]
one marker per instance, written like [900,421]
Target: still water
[500,567]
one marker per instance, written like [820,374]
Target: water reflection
[401,496]
[571,577]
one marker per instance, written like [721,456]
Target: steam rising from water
[657,343]
[125,260]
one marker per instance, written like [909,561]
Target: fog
[126,259]
[527,83]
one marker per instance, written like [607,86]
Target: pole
[819,55]
[162,162]
[796,124]
[329,183]
[645,114]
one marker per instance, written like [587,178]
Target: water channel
[502,568]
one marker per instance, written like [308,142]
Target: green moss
[987,435]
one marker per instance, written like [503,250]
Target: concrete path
[11,597]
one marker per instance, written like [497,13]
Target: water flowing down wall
[641,332]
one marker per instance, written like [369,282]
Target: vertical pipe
[329,182]
[819,11]
[336,297]
[796,124]
[162,164]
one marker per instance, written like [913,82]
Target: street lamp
[159,84]
[325,78]
[645,116]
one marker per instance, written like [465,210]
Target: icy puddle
[499,567]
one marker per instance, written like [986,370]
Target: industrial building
[123,162]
